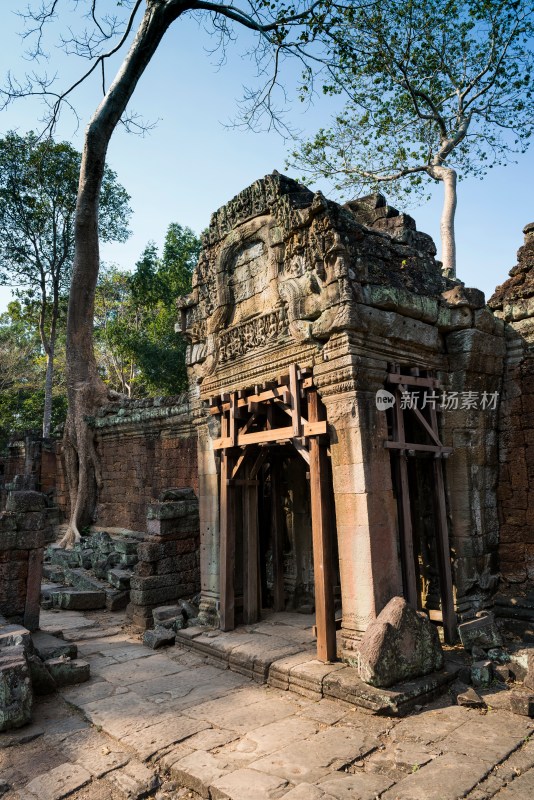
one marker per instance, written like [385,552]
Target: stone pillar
[23,528]
[366,514]
[208,428]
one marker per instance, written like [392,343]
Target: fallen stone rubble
[33,664]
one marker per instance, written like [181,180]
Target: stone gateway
[344,394]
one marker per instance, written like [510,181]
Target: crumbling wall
[513,302]
[168,567]
[144,446]
[24,527]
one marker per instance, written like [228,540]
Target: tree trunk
[448,241]
[49,379]
[86,390]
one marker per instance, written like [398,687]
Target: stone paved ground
[170,725]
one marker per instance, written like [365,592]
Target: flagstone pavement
[169,724]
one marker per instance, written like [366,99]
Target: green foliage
[21,369]
[429,83]
[38,190]
[137,348]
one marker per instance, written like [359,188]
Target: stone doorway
[266,466]
[418,456]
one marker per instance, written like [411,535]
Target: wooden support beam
[443,547]
[251,611]
[322,546]
[432,383]
[254,470]
[277,534]
[278,434]
[233,420]
[406,531]
[295,400]
[227,546]
[421,448]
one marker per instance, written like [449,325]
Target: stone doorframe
[248,429]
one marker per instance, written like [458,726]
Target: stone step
[78,599]
[54,572]
[68,672]
[83,579]
[48,646]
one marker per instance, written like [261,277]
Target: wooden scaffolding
[406,391]
[250,428]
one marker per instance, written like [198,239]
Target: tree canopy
[38,189]
[434,87]
[137,349]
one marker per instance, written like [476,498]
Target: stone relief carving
[281,262]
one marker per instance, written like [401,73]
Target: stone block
[11,635]
[116,600]
[175,528]
[47,646]
[58,782]
[172,510]
[25,501]
[16,694]
[21,540]
[166,613]
[119,578]
[158,637]
[42,681]
[519,702]
[481,632]
[67,672]
[482,673]
[400,644]
[78,599]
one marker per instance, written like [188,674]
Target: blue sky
[191,164]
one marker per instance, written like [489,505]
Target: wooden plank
[241,482]
[251,611]
[444,558]
[279,393]
[233,419]
[295,400]
[227,546]
[322,547]
[275,434]
[443,549]
[394,377]
[257,465]
[422,448]
[406,531]
[429,429]
[277,537]
[302,450]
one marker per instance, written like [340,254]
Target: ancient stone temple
[345,398]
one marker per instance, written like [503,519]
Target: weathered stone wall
[513,302]
[145,446]
[24,528]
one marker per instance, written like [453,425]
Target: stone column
[366,514]
[208,428]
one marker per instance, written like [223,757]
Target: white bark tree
[282,28]
[437,89]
